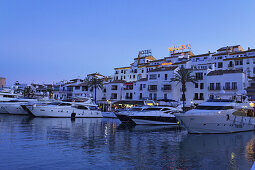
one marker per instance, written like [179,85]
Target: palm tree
[95,83]
[183,76]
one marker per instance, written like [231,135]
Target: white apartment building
[230,70]
[227,71]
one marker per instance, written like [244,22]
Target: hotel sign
[181,47]
[145,52]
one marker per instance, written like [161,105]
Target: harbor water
[104,143]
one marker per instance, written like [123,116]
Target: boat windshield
[93,108]
[135,109]
[80,107]
[214,107]
[65,104]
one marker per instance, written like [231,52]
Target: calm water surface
[59,143]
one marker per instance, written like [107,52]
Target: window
[211,86]
[234,85]
[158,75]
[165,96]
[237,63]
[152,87]
[220,65]
[241,62]
[196,85]
[77,87]
[84,88]
[114,87]
[227,86]
[201,96]
[155,96]
[134,76]
[167,87]
[196,96]
[230,64]
[114,96]
[165,76]
[153,76]
[141,96]
[121,71]
[141,87]
[199,76]
[217,86]
[135,71]
[144,85]
[201,85]
[150,96]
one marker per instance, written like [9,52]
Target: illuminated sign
[145,52]
[181,47]
[165,64]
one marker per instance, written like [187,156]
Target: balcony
[152,89]
[166,88]
[112,97]
[212,88]
[128,88]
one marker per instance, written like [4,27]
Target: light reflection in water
[105,143]
[250,150]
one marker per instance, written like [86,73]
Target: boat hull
[216,123]
[64,112]
[15,109]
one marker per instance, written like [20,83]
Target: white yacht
[6,97]
[219,116]
[65,109]
[14,106]
[148,115]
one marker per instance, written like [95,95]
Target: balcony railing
[212,88]
[152,89]
[128,88]
[166,88]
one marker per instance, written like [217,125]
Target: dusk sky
[53,40]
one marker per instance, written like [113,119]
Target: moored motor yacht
[65,109]
[219,116]
[14,106]
[148,115]
[6,97]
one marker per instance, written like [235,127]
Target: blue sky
[52,40]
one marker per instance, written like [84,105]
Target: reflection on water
[60,143]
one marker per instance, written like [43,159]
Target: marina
[127,85]
[97,143]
